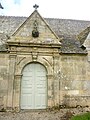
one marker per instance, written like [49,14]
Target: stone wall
[74,79]
[68,79]
[68,75]
[4,70]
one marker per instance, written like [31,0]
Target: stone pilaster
[12,60]
[50,91]
[17,92]
[56,78]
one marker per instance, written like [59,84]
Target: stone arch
[26,61]
[18,77]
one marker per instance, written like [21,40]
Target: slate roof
[69,30]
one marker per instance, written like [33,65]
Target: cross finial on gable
[35,6]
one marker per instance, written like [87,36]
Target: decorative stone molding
[34,56]
[18,76]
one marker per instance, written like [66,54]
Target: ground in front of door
[43,115]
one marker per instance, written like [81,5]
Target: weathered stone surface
[68,75]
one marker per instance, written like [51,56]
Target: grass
[85,116]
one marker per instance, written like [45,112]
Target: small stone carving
[34,56]
[35,32]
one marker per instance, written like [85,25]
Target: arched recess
[27,61]
[34,87]
[18,79]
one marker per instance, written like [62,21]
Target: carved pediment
[35,30]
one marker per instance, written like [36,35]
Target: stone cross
[35,6]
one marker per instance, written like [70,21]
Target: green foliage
[85,116]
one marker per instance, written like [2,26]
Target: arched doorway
[34,87]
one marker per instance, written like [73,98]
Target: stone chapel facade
[40,69]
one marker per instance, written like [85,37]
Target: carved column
[50,91]
[16,93]
[12,60]
[56,78]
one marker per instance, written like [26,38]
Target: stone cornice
[28,44]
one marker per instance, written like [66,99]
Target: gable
[87,41]
[35,21]
[64,28]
